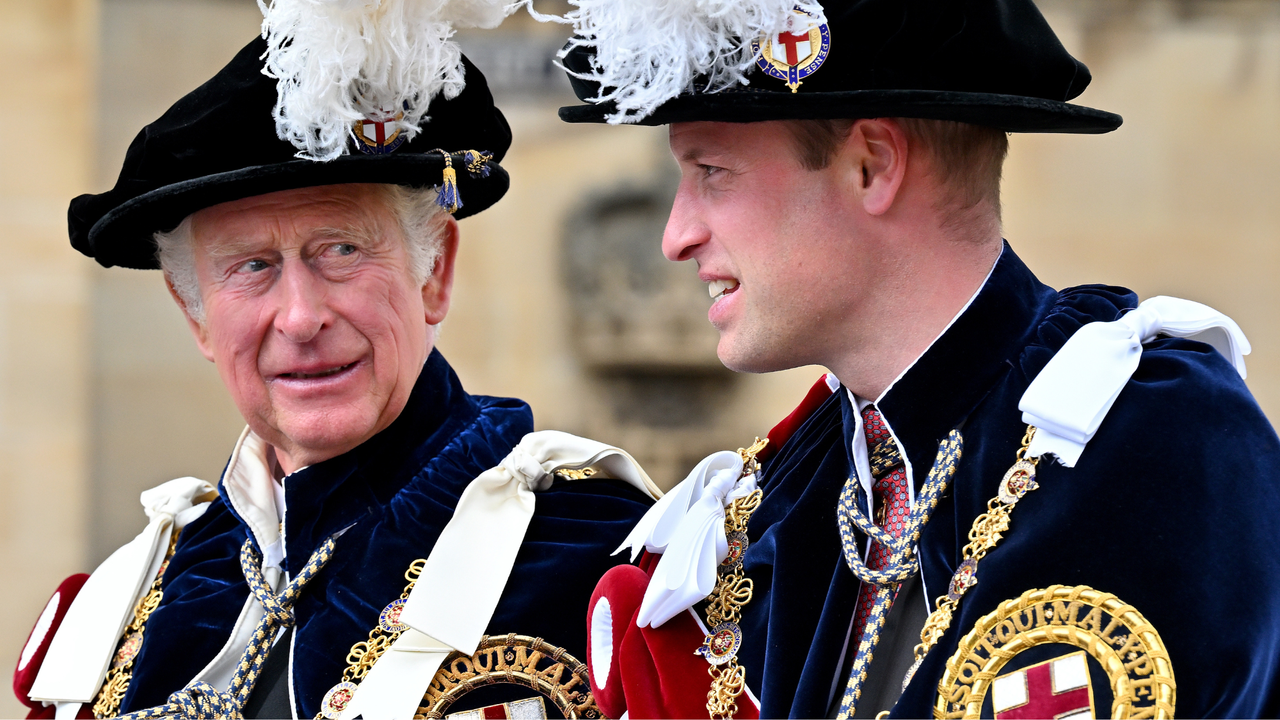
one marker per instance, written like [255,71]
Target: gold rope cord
[116,684]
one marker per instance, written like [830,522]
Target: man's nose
[685,232]
[302,312]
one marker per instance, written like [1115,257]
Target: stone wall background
[562,296]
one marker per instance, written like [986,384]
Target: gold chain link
[116,684]
[987,530]
[365,653]
[732,592]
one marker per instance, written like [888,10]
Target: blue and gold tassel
[447,196]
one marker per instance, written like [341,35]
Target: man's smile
[719,288]
[299,375]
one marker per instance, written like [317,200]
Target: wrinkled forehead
[294,217]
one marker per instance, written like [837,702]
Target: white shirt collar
[252,490]
[860,451]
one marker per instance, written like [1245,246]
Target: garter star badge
[793,56]
[1059,652]
[378,135]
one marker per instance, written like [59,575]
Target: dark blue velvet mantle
[1174,507]
[396,491]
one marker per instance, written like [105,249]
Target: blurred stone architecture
[562,296]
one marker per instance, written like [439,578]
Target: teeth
[718,288]
[326,373]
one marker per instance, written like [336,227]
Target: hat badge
[793,56]
[378,135]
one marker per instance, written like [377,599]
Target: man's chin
[751,358]
[307,441]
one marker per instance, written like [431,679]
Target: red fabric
[623,589]
[24,676]
[781,432]
[663,678]
[893,499]
[1043,701]
[654,672]
[648,563]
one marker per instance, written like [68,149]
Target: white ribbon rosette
[687,527]
[1071,396]
[72,672]
[455,596]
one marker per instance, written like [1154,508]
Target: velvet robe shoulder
[1174,507]
[393,494]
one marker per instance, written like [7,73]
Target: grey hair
[421,219]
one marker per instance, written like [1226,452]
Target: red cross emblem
[379,128]
[793,56]
[795,45]
[1057,688]
[372,136]
[529,708]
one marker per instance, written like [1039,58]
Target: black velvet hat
[995,63]
[219,144]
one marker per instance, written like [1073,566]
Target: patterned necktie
[202,700]
[893,537]
[892,507]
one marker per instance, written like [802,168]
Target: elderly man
[1013,501]
[346,543]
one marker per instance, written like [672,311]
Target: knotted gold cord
[200,699]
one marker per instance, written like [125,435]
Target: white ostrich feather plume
[649,51]
[340,61]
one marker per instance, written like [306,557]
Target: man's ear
[197,330]
[877,148]
[438,288]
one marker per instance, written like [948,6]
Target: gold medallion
[516,660]
[1109,632]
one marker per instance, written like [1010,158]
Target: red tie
[892,507]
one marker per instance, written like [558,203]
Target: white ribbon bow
[455,596]
[1068,400]
[687,527]
[86,641]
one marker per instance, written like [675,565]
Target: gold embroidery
[1113,633]
[514,659]
[116,684]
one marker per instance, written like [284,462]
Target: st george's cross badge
[378,135]
[1059,688]
[1059,652]
[793,56]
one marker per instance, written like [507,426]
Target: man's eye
[255,265]
[344,248]
[709,170]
